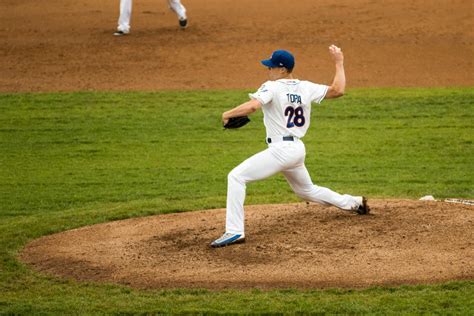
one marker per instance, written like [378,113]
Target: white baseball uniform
[286,105]
[126,13]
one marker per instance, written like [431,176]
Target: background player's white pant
[286,157]
[126,13]
[178,8]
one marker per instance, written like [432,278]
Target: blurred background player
[123,27]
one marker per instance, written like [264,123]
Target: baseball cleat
[120,33]
[363,209]
[228,239]
[183,23]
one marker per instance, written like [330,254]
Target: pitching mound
[288,246]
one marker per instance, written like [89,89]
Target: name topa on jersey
[286,105]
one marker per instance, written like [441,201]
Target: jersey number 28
[295,116]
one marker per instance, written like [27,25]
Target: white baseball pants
[281,156]
[126,13]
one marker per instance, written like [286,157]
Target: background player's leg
[300,181]
[177,7]
[125,14]
[258,167]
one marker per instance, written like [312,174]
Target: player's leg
[180,11]
[300,181]
[258,167]
[276,158]
[124,18]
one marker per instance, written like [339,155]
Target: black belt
[285,138]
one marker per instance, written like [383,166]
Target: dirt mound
[66,45]
[288,246]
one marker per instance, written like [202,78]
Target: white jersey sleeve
[318,92]
[264,95]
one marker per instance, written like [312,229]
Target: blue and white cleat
[228,239]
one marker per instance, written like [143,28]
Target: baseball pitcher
[286,104]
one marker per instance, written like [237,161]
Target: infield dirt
[288,246]
[65,45]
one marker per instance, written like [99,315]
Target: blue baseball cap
[280,58]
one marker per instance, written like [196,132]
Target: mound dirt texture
[67,45]
[288,246]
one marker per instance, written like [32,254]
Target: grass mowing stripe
[72,159]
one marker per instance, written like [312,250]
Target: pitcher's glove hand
[237,122]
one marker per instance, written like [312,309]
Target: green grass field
[74,159]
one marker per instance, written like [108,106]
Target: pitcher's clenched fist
[336,53]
